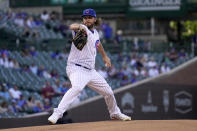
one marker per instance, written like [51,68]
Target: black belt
[83,66]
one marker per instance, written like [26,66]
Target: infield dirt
[135,125]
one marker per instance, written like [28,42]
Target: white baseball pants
[80,77]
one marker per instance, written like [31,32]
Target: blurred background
[152,45]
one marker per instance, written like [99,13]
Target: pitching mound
[138,125]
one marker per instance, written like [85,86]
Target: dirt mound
[137,125]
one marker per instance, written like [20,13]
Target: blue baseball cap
[89,12]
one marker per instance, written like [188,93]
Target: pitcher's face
[89,21]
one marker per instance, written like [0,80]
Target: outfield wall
[146,101]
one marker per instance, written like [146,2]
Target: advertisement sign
[154,101]
[183,102]
[58,1]
[154,5]
[127,103]
[149,106]
[166,100]
[156,8]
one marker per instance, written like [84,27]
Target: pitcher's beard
[90,26]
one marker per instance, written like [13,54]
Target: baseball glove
[80,39]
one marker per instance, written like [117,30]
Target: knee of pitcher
[109,93]
[77,89]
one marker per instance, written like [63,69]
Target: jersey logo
[97,43]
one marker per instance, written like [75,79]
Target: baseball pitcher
[80,68]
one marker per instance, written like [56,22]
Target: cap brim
[88,15]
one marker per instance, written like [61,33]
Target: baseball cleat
[121,117]
[53,118]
